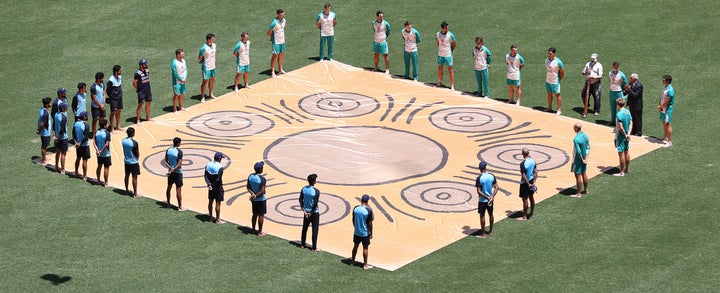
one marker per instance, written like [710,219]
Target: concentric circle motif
[441,196]
[468,119]
[360,155]
[509,156]
[193,162]
[338,104]
[230,124]
[288,212]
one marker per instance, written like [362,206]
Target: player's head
[259,167]
[244,36]
[280,12]
[634,76]
[130,132]
[379,14]
[667,78]
[46,102]
[83,116]
[209,37]
[620,103]
[61,92]
[615,65]
[63,107]
[552,49]
[407,24]
[312,178]
[577,127]
[443,25]
[365,198]
[81,86]
[176,141]
[142,63]
[525,152]
[99,76]
[594,57]
[218,156]
[179,53]
[482,166]
[103,124]
[479,40]
[327,5]
[116,69]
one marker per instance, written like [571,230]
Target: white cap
[594,57]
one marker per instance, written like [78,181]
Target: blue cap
[259,165]
[142,61]
[61,90]
[82,115]
[483,165]
[219,156]
[365,198]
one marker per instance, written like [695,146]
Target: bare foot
[522,219]
[212,96]
[136,195]
[219,221]
[273,75]
[439,84]
[367,267]
[576,195]
[584,192]
[247,86]
[106,184]
[149,119]
[375,69]
[621,174]
[482,236]
[282,71]
[261,234]
[181,209]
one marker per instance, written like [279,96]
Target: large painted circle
[441,196]
[357,155]
[230,124]
[338,104]
[287,209]
[509,156]
[468,119]
[194,162]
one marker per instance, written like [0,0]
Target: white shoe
[387,71]
[558,113]
[517,103]
[237,89]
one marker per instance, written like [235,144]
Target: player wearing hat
[256,187]
[213,180]
[61,99]
[141,82]
[487,188]
[363,229]
[81,136]
[131,154]
[61,137]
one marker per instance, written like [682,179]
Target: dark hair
[46,101]
[616,63]
[279,11]
[407,23]
[552,49]
[176,141]
[443,24]
[667,78]
[99,76]
[312,178]
[209,36]
[130,132]
[103,124]
[378,13]
[178,51]
[81,85]
[513,47]
[327,4]
[479,39]
[116,68]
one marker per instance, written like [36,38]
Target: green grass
[651,231]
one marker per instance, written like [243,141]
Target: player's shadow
[567,191]
[196,97]
[540,108]
[168,109]
[349,262]
[55,279]
[609,170]
[203,218]
[513,214]
[245,230]
[314,58]
[470,231]
[133,120]
[266,72]
[121,192]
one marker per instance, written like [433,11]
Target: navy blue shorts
[104,161]
[483,206]
[525,190]
[175,178]
[116,104]
[97,113]
[45,141]
[133,169]
[364,240]
[217,194]
[259,207]
[142,97]
[83,152]
[62,145]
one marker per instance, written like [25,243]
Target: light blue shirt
[361,216]
[129,146]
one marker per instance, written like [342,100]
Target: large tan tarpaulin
[413,148]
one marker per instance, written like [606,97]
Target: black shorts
[83,152]
[175,178]
[133,169]
[259,207]
[97,113]
[104,161]
[61,145]
[116,104]
[525,190]
[217,194]
[144,98]
[44,141]
[482,207]
[365,240]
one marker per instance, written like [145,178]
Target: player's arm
[136,150]
[135,83]
[249,189]
[522,173]
[302,202]
[417,37]
[561,73]
[489,57]
[452,46]
[317,20]
[316,199]
[207,179]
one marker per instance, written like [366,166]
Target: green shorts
[445,61]
[380,48]
[578,167]
[512,82]
[278,48]
[552,88]
[207,74]
[666,117]
[622,145]
[180,88]
[243,69]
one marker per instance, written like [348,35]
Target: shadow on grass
[513,214]
[470,231]
[55,279]
[246,230]
[122,192]
[609,170]
[203,218]
[349,262]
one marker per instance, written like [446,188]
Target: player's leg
[211,86]
[281,56]
[406,58]
[107,174]
[330,46]
[273,59]
[323,40]
[559,101]
[303,235]
[167,194]
[147,111]
[210,206]
[451,73]
[315,221]
[178,191]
